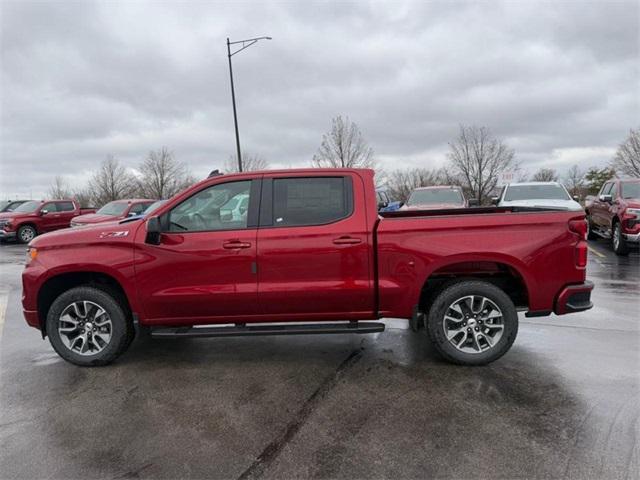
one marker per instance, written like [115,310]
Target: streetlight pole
[245,44]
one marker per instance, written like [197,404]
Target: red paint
[605,214]
[360,267]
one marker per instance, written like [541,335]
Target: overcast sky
[559,81]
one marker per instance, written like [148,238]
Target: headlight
[634,211]
[32,253]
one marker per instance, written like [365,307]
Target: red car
[437,197]
[311,247]
[35,217]
[615,213]
[112,211]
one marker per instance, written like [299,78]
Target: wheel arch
[54,286]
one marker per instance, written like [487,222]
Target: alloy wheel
[473,324]
[27,234]
[85,328]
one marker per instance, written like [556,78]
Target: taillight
[579,227]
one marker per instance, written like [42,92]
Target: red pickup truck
[615,213]
[309,247]
[35,217]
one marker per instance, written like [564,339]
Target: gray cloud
[80,80]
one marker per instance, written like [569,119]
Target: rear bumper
[574,298]
[32,318]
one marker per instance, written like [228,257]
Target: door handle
[235,245]
[346,241]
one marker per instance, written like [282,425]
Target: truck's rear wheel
[472,323]
[88,327]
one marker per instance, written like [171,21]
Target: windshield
[535,192]
[435,196]
[153,207]
[631,190]
[28,207]
[113,208]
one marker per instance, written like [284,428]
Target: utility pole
[245,44]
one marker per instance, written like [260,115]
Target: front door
[313,249]
[600,208]
[50,217]
[203,270]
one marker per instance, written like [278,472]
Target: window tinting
[311,201]
[220,207]
[50,207]
[65,206]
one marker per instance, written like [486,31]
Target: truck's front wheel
[88,327]
[472,323]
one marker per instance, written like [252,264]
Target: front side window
[606,188]
[49,207]
[311,201]
[535,192]
[220,207]
[138,208]
[65,206]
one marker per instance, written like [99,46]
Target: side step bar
[240,330]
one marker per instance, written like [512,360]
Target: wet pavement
[563,403]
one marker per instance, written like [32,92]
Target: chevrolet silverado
[309,254]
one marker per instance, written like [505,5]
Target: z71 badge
[121,233]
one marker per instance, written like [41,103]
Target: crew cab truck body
[615,213]
[311,248]
[35,217]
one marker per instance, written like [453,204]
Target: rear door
[65,212]
[313,251]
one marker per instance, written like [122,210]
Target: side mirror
[43,212]
[606,198]
[495,200]
[153,231]
[576,198]
[132,214]
[382,204]
[473,202]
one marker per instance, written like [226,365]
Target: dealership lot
[562,403]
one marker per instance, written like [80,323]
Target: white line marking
[4,296]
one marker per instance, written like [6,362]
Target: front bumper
[4,235]
[574,298]
[631,237]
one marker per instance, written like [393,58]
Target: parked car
[385,204]
[11,205]
[537,194]
[311,248]
[35,217]
[116,210]
[434,198]
[615,213]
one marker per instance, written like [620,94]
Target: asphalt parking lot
[563,403]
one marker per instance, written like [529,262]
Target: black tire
[620,246]
[122,331]
[590,234]
[447,297]
[26,233]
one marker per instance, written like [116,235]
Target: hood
[111,232]
[544,203]
[633,202]
[432,206]
[94,218]
[4,215]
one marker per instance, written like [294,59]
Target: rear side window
[311,201]
[65,206]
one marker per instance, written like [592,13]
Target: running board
[605,235]
[241,330]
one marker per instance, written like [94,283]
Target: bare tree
[250,163]
[574,181]
[83,197]
[627,158]
[344,147]
[401,183]
[59,188]
[545,175]
[478,159]
[162,175]
[111,182]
